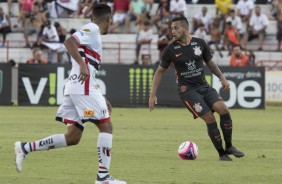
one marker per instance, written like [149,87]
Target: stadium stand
[120,47]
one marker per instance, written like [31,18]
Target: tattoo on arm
[214,69]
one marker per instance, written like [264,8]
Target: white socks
[51,142]
[104,146]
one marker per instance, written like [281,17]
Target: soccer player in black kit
[187,54]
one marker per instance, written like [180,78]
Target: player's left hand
[225,84]
[83,73]
[152,102]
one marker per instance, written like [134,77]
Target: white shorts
[119,18]
[78,109]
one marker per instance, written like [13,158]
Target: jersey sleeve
[85,35]
[207,55]
[166,58]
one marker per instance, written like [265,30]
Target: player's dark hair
[100,10]
[182,19]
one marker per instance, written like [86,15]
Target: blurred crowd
[230,28]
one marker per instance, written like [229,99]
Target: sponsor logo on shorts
[88,113]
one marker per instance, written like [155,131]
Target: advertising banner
[41,84]
[129,85]
[273,86]
[5,84]
[247,87]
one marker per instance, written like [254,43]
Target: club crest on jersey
[198,107]
[191,65]
[177,47]
[197,50]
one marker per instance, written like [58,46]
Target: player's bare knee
[105,127]
[208,117]
[73,141]
[223,110]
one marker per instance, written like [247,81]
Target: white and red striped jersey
[90,48]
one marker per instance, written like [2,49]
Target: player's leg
[198,107]
[104,147]
[226,127]
[93,108]
[67,114]
[214,135]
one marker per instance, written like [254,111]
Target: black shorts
[200,101]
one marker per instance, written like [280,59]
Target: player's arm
[156,82]
[71,45]
[216,71]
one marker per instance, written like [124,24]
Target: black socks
[215,138]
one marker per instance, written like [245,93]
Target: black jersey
[188,62]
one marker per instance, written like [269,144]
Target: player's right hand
[83,73]
[152,102]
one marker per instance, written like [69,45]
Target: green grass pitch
[144,148]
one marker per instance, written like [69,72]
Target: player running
[83,100]
[187,54]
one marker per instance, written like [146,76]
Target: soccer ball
[188,150]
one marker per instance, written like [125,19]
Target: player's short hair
[182,19]
[100,10]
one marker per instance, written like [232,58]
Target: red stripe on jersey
[107,120]
[87,81]
[191,109]
[34,146]
[91,53]
[69,121]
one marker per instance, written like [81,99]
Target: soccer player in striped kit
[83,102]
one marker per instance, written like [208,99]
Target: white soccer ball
[188,150]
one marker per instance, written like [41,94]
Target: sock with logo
[104,146]
[215,138]
[226,127]
[51,142]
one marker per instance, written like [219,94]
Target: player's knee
[105,127]
[208,117]
[223,110]
[72,140]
